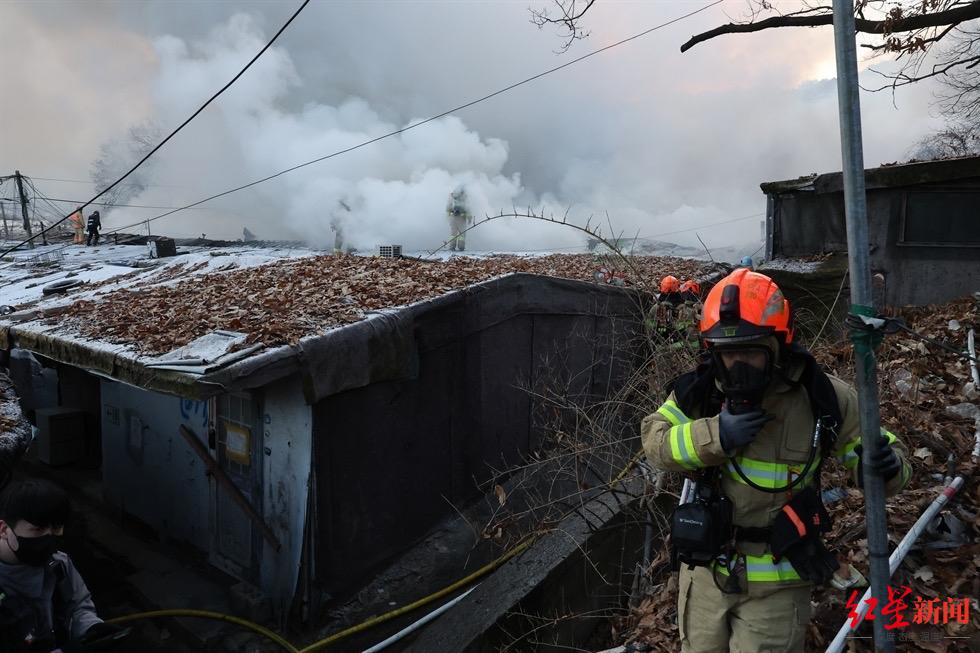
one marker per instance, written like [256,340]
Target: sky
[641,139]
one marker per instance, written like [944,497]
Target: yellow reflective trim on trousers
[673,413]
[682,448]
[762,569]
[767,474]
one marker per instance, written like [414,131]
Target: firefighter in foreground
[752,426]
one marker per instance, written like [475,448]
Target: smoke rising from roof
[658,140]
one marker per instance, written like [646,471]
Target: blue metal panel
[148,471]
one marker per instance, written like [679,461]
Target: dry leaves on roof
[283,301]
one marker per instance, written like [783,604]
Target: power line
[425,121]
[175,131]
[113,204]
[650,236]
[82,181]
[715,224]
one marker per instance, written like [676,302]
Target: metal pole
[23,208]
[6,230]
[855,208]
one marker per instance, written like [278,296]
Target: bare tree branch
[569,20]
[952,16]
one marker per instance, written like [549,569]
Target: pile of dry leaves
[929,400]
[284,301]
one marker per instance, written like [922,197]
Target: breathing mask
[743,383]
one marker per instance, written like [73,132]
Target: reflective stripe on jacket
[674,441]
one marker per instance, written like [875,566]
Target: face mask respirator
[742,383]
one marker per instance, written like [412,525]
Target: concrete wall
[148,470]
[807,223]
[287,443]
[36,385]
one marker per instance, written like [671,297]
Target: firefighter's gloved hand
[884,460]
[736,431]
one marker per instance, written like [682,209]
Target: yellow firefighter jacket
[677,442]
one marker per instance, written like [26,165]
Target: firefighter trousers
[760,621]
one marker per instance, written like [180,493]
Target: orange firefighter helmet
[743,306]
[669,283]
[691,286]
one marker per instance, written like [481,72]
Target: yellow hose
[206,614]
[364,625]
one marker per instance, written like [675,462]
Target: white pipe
[895,559]
[971,346]
[976,447]
[418,624]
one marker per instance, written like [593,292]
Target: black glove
[736,431]
[884,460]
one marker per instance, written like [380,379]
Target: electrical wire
[646,236]
[174,132]
[46,200]
[942,345]
[113,204]
[419,123]
[82,181]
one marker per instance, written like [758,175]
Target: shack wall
[805,223]
[394,456]
[287,425]
[148,469]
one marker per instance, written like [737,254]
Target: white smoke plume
[657,141]
[396,189]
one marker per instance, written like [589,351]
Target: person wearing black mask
[45,605]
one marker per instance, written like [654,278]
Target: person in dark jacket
[45,605]
[94,225]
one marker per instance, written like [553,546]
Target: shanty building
[923,225]
[335,442]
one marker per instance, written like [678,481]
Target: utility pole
[23,208]
[855,209]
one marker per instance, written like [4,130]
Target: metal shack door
[237,446]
